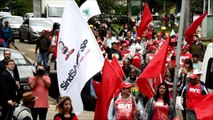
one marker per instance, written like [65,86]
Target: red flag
[204,107]
[110,82]
[117,67]
[152,74]
[146,19]
[192,29]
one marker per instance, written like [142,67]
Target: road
[29,51]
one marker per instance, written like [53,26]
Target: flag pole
[180,36]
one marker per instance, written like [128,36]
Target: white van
[207,68]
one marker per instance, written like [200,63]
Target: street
[28,50]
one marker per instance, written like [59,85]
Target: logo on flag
[89,9]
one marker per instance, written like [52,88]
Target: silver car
[32,27]
[14,22]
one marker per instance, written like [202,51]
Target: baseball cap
[197,72]
[125,85]
[163,28]
[193,76]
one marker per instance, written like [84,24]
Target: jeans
[43,57]
[190,115]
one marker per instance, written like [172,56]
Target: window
[209,74]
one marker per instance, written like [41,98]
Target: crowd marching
[133,52]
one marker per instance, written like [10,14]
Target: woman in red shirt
[64,108]
[159,107]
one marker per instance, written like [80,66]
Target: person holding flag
[124,107]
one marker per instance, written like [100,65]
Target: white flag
[89,9]
[78,57]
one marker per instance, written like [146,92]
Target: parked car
[207,68]
[25,67]
[2,14]
[28,15]
[14,22]
[32,27]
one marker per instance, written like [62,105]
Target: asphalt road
[28,50]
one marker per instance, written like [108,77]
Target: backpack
[16,117]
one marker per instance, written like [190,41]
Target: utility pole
[204,23]
[128,11]
[37,8]
[187,14]
[180,35]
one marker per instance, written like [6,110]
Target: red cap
[138,38]
[152,47]
[125,85]
[185,47]
[127,42]
[155,42]
[149,44]
[193,76]
[174,54]
[173,40]
[123,45]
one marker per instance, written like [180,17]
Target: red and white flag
[146,19]
[78,57]
[189,33]
[152,75]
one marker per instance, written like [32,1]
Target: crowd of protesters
[134,54]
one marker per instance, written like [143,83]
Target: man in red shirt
[190,92]
[124,106]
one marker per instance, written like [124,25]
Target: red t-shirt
[161,111]
[193,92]
[67,118]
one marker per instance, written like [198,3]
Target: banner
[89,9]
[78,58]
[152,75]
[109,84]
[189,33]
[146,18]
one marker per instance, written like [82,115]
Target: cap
[174,54]
[114,43]
[138,38]
[163,28]
[149,44]
[125,85]
[193,76]
[127,42]
[185,47]
[155,42]
[197,72]
[173,40]
[123,45]
[28,97]
[152,47]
